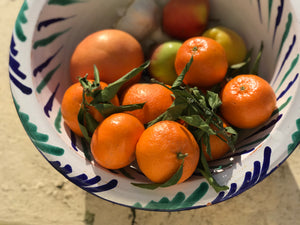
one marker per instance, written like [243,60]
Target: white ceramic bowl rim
[27,47]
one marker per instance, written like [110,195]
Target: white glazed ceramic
[44,37]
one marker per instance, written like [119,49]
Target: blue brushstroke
[67,169]
[288,87]
[101,188]
[15,65]
[23,88]
[49,104]
[251,178]
[42,66]
[73,141]
[286,57]
[278,18]
[13,49]
[259,10]
[82,179]
[49,22]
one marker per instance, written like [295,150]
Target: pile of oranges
[168,129]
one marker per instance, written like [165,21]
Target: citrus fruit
[218,147]
[209,65]
[114,141]
[247,101]
[162,62]
[232,42]
[156,97]
[183,19]
[113,51]
[163,147]
[72,102]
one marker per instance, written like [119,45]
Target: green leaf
[91,123]
[107,109]
[112,89]
[206,142]
[213,99]
[82,126]
[173,112]
[197,121]
[173,180]
[239,68]
[179,80]
[255,67]
[96,76]
[204,169]
[86,149]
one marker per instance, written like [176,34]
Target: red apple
[183,19]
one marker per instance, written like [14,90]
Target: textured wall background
[33,193]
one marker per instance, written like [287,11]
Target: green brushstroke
[64,2]
[285,104]
[49,40]
[47,78]
[179,201]
[21,19]
[292,66]
[37,138]
[57,122]
[295,138]
[270,12]
[286,32]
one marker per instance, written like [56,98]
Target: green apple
[162,62]
[232,42]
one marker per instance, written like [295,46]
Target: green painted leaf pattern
[37,138]
[295,138]
[48,40]
[179,201]
[21,19]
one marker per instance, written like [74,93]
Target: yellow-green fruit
[162,62]
[232,42]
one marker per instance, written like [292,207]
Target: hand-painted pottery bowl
[44,37]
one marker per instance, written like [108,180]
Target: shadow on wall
[275,200]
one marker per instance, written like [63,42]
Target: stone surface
[33,193]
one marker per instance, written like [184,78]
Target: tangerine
[218,146]
[72,102]
[114,52]
[114,141]
[247,101]
[161,149]
[209,65]
[156,97]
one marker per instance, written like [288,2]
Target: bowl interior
[60,25]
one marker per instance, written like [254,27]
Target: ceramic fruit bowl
[44,37]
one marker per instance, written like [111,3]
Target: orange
[71,103]
[113,51]
[247,101]
[218,147]
[160,149]
[209,65]
[157,98]
[114,141]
